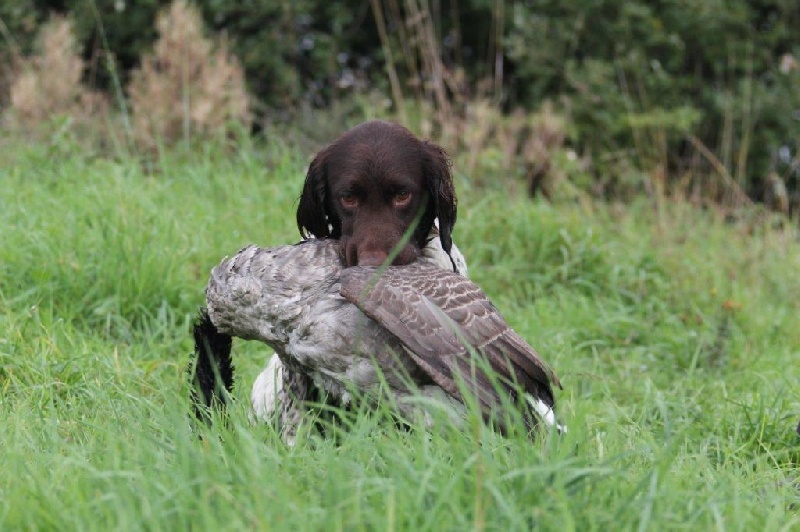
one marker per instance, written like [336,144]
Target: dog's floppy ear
[441,190]
[313,211]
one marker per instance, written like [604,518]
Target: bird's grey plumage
[288,297]
[269,399]
[344,328]
[451,330]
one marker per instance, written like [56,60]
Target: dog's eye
[401,199]
[349,201]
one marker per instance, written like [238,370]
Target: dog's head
[373,186]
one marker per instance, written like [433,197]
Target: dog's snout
[371,258]
[359,252]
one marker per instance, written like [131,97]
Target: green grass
[677,339]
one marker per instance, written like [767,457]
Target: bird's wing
[451,330]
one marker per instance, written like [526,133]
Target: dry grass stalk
[48,84]
[547,135]
[188,86]
[463,117]
[439,90]
[477,130]
[737,196]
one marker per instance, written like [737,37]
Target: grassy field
[676,336]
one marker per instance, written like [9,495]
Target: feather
[452,331]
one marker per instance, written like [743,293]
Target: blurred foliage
[709,68]
[635,78]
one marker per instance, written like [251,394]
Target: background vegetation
[139,146]
[700,99]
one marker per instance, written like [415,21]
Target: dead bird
[415,329]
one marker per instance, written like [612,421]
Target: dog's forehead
[377,137]
[376,160]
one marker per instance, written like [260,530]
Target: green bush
[680,67]
[637,78]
